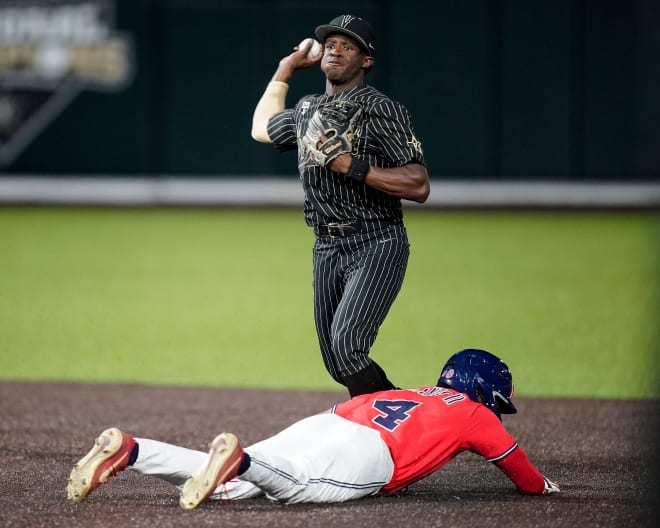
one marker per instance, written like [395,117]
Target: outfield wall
[287,192]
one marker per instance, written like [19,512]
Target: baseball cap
[354,27]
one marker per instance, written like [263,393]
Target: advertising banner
[50,51]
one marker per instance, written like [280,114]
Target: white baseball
[314,51]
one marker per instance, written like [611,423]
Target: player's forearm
[522,472]
[284,71]
[410,182]
[295,61]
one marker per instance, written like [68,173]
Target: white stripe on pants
[323,458]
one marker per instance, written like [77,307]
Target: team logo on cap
[346,20]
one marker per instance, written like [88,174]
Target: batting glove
[550,487]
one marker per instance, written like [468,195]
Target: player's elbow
[260,134]
[423,192]
[421,186]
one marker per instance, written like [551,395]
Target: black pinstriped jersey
[383,136]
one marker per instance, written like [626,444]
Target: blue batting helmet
[484,377]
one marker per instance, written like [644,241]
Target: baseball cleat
[109,455]
[225,457]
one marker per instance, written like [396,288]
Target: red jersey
[426,427]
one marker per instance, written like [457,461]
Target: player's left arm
[410,181]
[489,438]
[406,176]
[527,478]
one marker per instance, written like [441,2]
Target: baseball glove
[336,121]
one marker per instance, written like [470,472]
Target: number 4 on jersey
[394,412]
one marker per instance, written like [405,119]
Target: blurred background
[499,90]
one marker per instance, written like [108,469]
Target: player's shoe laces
[110,454]
[225,458]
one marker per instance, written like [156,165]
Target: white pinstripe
[356,279]
[385,139]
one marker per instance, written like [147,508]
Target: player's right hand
[550,487]
[299,58]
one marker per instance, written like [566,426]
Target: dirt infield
[603,454]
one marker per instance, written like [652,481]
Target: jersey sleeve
[282,128]
[488,438]
[522,472]
[391,126]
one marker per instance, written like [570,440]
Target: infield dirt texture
[604,454]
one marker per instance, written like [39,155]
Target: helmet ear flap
[480,395]
[487,399]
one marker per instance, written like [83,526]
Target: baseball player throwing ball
[358,156]
[372,444]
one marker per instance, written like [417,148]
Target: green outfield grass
[223,298]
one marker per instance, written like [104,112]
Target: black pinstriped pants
[356,280]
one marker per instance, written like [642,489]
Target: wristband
[358,170]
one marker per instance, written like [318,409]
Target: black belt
[345,229]
[338,229]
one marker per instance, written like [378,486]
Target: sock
[383,376]
[134,454]
[245,464]
[367,381]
